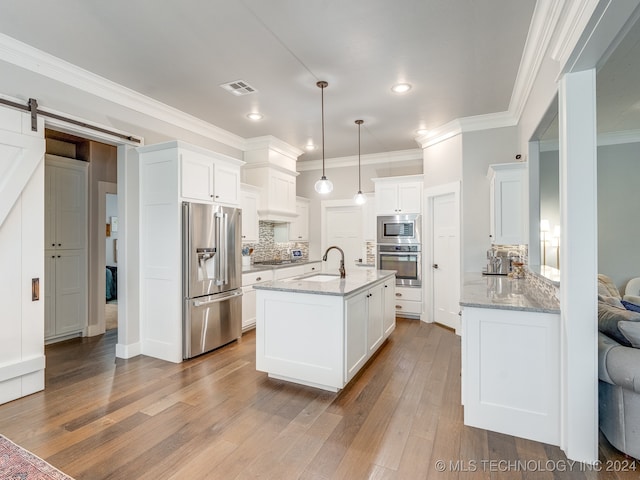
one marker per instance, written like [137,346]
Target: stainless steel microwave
[395,229]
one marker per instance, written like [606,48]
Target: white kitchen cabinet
[278,192]
[508,203]
[510,372]
[299,227]
[297,230]
[65,286]
[249,199]
[375,313]
[408,301]
[207,177]
[398,195]
[389,316]
[249,296]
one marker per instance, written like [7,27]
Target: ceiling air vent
[238,88]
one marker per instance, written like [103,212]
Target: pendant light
[323,185]
[359,197]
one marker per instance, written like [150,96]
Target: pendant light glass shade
[323,185]
[359,197]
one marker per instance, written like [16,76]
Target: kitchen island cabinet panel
[321,333]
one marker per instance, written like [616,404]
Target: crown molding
[573,20]
[543,23]
[465,125]
[370,159]
[27,57]
[272,143]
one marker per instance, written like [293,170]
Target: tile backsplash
[268,249]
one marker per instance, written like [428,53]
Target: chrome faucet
[342,271]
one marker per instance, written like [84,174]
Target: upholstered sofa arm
[617,364]
[632,298]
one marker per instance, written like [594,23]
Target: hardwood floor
[215,417]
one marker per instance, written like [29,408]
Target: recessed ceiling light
[401,88]
[254,116]
[309,147]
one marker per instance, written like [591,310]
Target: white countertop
[502,292]
[356,280]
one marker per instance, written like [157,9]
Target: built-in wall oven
[406,260]
[399,248]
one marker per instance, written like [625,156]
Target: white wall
[345,186]
[618,218]
[479,150]
[443,162]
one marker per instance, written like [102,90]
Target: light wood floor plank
[216,417]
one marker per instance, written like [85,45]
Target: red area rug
[20,464]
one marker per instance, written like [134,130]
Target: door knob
[435,265]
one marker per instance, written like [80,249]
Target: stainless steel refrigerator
[211,277]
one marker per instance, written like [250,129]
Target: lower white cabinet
[249,296]
[510,372]
[408,301]
[369,320]
[65,293]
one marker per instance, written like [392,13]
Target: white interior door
[343,228]
[445,267]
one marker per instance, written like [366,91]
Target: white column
[578,268]
[128,254]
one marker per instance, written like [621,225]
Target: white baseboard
[128,351]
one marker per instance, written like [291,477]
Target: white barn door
[21,255]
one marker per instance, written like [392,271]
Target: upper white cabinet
[508,203]
[298,229]
[65,203]
[271,165]
[207,177]
[249,199]
[398,195]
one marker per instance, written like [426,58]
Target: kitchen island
[319,329]
[511,356]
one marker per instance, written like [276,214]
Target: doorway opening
[101,216]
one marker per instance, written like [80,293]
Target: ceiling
[460,56]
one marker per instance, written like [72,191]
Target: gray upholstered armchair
[618,370]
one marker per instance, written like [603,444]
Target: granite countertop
[261,267]
[356,280]
[502,292]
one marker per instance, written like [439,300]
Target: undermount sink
[320,277]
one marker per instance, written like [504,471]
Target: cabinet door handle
[53,244]
[211,196]
[435,265]
[258,279]
[398,294]
[399,307]
[217,196]
[58,256]
[59,244]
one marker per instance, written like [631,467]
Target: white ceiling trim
[370,159]
[574,20]
[27,57]
[543,23]
[272,143]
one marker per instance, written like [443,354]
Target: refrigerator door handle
[219,298]
[220,248]
[225,237]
